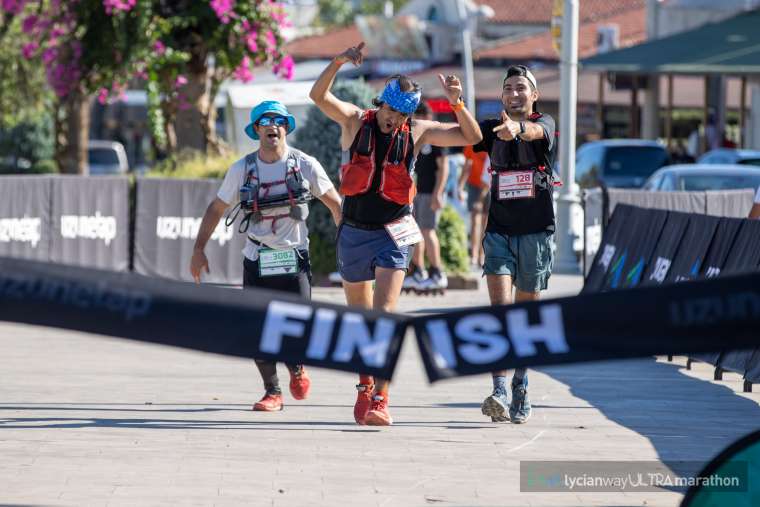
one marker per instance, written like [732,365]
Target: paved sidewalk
[88,420]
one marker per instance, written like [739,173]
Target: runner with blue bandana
[379,148]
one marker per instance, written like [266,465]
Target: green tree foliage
[333,13]
[24,94]
[320,138]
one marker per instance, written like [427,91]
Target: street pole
[565,260]
[469,73]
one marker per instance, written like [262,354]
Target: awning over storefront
[731,46]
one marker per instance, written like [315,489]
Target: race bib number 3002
[404,231]
[516,185]
[277,262]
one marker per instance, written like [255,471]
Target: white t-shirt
[286,233]
[757,196]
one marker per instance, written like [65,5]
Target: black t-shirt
[426,167]
[520,216]
[370,208]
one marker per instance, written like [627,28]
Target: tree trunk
[73,133]
[191,131]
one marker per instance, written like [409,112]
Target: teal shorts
[527,258]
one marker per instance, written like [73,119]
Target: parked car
[623,163]
[698,177]
[730,156]
[106,158]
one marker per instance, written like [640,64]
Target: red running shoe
[269,403]
[363,402]
[378,414]
[300,383]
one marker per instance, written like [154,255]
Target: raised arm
[465,131]
[337,110]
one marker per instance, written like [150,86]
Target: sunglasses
[266,121]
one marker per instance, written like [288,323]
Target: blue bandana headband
[403,102]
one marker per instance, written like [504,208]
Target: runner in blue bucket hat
[269,107]
[270,189]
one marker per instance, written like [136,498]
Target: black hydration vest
[523,203]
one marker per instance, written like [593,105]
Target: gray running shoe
[415,281]
[495,407]
[519,409]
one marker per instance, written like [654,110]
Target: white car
[107,158]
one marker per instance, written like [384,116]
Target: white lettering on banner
[354,334]
[661,267]
[481,340]
[607,254]
[321,332]
[443,348]
[24,230]
[278,324]
[89,227]
[188,227]
[550,330]
[484,343]
[289,319]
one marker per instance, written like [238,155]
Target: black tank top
[370,208]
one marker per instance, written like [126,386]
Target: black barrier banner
[25,217]
[744,255]
[90,222]
[692,251]
[246,323]
[753,368]
[720,246]
[614,235]
[665,249]
[642,232]
[169,214]
[668,319]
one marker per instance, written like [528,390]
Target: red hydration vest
[396,184]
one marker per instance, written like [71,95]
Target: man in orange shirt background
[477,195]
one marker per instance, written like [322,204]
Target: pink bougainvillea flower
[13,6]
[223,10]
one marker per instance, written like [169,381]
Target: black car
[620,163]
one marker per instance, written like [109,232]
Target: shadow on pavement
[684,418]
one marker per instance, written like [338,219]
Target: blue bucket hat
[401,101]
[269,106]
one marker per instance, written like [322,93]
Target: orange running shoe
[269,403]
[300,383]
[363,402]
[379,415]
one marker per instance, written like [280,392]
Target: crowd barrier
[168,216]
[600,203]
[66,219]
[83,221]
[652,247]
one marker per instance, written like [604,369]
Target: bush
[27,147]
[191,164]
[453,239]
[320,138]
